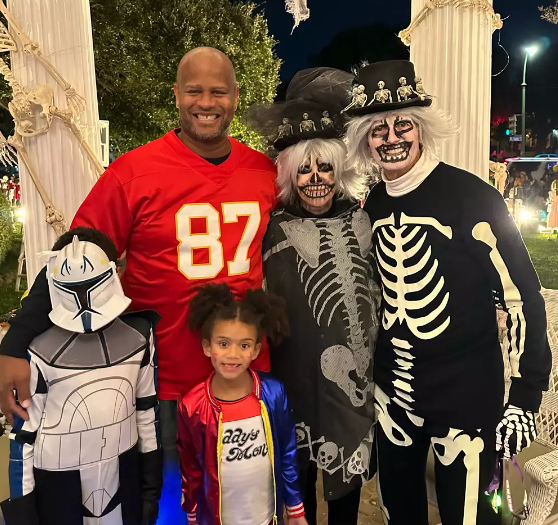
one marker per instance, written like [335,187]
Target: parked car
[536,167]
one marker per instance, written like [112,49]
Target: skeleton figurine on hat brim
[446,246]
[317,257]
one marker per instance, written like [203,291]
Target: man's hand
[516,431]
[15,374]
[297,521]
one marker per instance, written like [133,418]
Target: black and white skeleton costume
[90,452]
[322,267]
[445,243]
[322,264]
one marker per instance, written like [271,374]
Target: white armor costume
[89,453]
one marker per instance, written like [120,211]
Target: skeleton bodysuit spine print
[333,265]
[333,278]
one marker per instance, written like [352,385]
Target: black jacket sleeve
[30,321]
[495,241]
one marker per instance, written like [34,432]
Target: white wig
[348,184]
[434,126]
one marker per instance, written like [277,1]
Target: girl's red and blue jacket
[200,444]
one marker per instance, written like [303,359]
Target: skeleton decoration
[75,101]
[29,121]
[359,98]
[346,366]
[516,431]
[383,95]
[500,175]
[68,118]
[419,89]
[331,458]
[307,125]
[7,153]
[326,121]
[33,111]
[404,92]
[285,129]
[55,218]
[7,44]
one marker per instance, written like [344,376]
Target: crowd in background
[11,189]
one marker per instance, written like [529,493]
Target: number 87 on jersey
[202,251]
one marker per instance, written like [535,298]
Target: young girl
[236,438]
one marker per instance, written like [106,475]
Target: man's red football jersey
[183,222]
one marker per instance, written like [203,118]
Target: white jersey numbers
[210,239]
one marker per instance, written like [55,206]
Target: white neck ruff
[412,179]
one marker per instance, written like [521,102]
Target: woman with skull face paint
[443,256]
[317,255]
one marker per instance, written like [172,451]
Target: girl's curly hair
[216,302]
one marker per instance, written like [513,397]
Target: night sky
[328,17]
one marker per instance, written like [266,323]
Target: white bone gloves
[516,431]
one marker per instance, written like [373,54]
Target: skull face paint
[395,144]
[316,185]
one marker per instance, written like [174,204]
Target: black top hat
[314,100]
[385,86]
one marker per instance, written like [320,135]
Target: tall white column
[452,52]
[63,30]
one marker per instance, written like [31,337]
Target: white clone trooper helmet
[85,290]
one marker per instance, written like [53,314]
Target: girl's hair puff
[216,302]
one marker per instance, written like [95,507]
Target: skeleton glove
[516,431]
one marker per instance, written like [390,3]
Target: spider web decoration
[550,14]
[299,10]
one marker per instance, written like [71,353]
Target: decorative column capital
[483,5]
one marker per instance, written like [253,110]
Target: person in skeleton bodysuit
[445,245]
[90,452]
[317,255]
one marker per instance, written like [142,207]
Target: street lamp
[529,52]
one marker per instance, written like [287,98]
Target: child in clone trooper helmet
[317,256]
[89,454]
[445,246]
[236,439]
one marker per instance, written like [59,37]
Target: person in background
[187,208]
[17,192]
[236,437]
[90,450]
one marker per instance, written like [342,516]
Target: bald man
[188,208]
